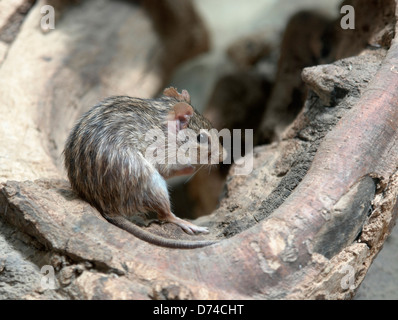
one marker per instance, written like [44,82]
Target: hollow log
[306,223]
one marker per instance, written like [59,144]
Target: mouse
[113,165]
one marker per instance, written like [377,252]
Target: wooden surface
[283,251]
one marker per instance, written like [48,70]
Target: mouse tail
[147,236]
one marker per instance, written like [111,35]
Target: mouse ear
[181,113]
[173,93]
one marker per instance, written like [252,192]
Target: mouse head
[195,134]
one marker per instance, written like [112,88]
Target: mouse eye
[203,138]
